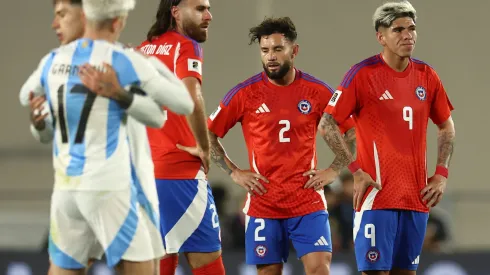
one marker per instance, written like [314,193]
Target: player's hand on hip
[432,193]
[198,152]
[362,181]
[36,104]
[104,83]
[250,181]
[319,178]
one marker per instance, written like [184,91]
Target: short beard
[194,31]
[281,73]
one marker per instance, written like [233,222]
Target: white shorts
[87,224]
[152,219]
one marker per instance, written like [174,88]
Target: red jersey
[183,56]
[279,125]
[391,111]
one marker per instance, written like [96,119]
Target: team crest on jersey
[304,106]
[372,255]
[260,250]
[421,93]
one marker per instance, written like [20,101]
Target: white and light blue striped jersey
[91,149]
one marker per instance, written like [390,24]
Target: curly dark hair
[282,25]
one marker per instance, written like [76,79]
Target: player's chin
[274,75]
[406,53]
[203,36]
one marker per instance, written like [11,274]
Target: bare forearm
[445,146]
[218,155]
[350,139]
[331,134]
[197,122]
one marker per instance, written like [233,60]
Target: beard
[283,70]
[195,31]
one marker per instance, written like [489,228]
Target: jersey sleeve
[35,82]
[328,92]
[229,112]
[441,106]
[156,80]
[347,125]
[189,61]
[345,100]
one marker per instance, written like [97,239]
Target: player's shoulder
[187,43]
[423,66]
[65,49]
[49,56]
[365,67]
[243,87]
[313,82]
[183,45]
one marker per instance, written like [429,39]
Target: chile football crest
[304,106]
[372,255]
[421,93]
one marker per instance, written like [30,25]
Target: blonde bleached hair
[100,10]
[390,11]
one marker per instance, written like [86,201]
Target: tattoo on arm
[218,155]
[445,146]
[350,139]
[332,136]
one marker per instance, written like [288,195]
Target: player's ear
[175,11]
[118,24]
[115,24]
[380,37]
[295,50]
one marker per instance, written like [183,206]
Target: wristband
[441,170]
[354,166]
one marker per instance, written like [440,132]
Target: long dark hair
[164,19]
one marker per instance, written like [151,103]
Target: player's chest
[399,96]
[297,109]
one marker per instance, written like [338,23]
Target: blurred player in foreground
[189,220]
[69,24]
[77,176]
[279,110]
[391,97]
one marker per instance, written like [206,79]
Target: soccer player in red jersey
[279,110]
[189,221]
[391,97]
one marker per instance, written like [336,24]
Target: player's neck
[394,61]
[99,35]
[180,30]
[286,80]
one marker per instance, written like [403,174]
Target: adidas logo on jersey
[386,95]
[321,242]
[416,261]
[263,109]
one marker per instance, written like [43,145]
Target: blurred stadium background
[333,35]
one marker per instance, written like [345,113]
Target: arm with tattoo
[350,139]
[218,155]
[445,142]
[330,132]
